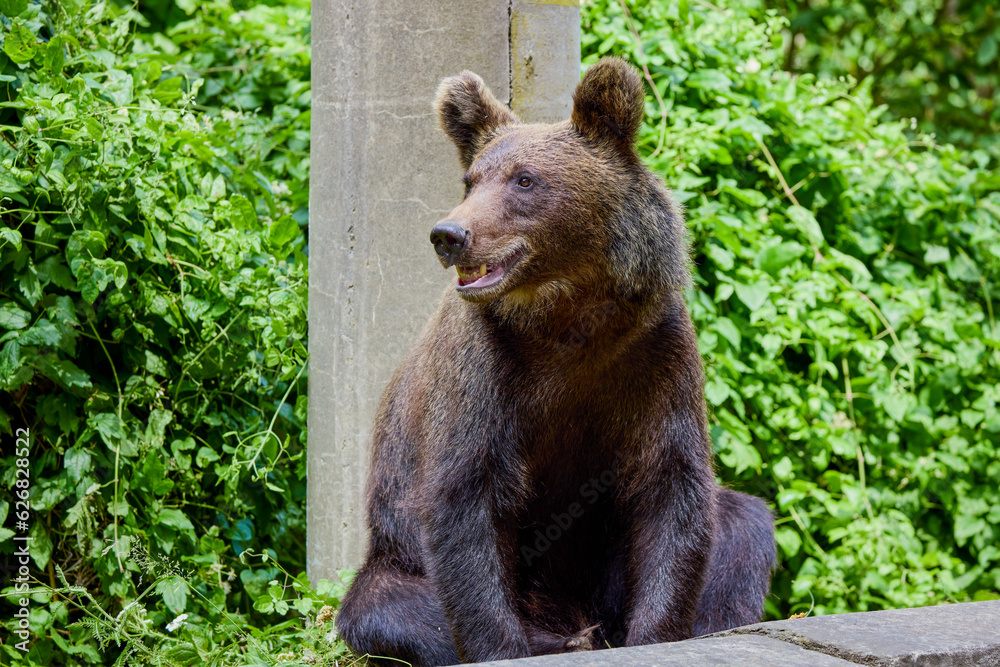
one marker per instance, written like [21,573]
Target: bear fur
[542,475]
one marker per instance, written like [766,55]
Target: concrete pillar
[544,58]
[382,175]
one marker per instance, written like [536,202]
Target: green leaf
[716,391]
[20,44]
[152,477]
[40,546]
[751,197]
[110,427]
[967,526]
[848,262]
[12,317]
[156,364]
[53,271]
[205,456]
[54,58]
[175,593]
[175,519]
[936,254]
[987,50]
[896,404]
[11,236]
[789,541]
[243,216]
[728,330]
[776,257]
[218,190]
[752,126]
[84,272]
[754,295]
[118,86]
[264,604]
[737,454]
[177,448]
[806,221]
[156,427]
[8,184]
[12,8]
[42,332]
[962,267]
[168,90]
[709,79]
[783,468]
[86,242]
[64,372]
[283,231]
[94,276]
[29,285]
[76,462]
[12,374]
[723,257]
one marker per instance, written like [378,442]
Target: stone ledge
[748,651]
[957,635]
[947,635]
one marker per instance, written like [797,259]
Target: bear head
[560,210]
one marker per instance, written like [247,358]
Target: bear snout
[449,239]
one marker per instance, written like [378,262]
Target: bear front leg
[672,506]
[466,561]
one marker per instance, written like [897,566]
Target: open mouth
[486,275]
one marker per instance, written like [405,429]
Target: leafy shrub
[845,277]
[152,326]
[936,61]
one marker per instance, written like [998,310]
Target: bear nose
[449,239]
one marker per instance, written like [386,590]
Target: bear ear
[469,114]
[608,102]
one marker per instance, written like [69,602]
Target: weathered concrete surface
[742,651]
[382,175]
[544,58]
[958,635]
[948,635]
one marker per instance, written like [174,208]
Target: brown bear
[542,475]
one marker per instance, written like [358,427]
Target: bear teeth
[471,272]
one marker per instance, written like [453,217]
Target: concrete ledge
[957,635]
[947,635]
[744,651]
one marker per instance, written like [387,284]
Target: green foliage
[936,61]
[305,639]
[153,283]
[844,277]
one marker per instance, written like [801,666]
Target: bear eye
[524,182]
